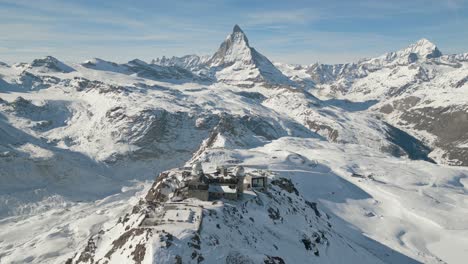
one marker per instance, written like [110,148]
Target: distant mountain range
[417,89]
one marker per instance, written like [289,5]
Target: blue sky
[289,31]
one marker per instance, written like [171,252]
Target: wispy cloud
[122,29]
[285,17]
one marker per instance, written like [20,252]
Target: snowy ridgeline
[313,196]
[274,224]
[80,145]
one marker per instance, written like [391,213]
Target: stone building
[224,183]
[198,189]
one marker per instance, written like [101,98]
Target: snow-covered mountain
[145,70]
[238,63]
[235,62]
[355,156]
[50,64]
[422,50]
[416,89]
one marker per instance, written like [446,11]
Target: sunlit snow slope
[369,145]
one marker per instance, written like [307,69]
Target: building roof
[221,189]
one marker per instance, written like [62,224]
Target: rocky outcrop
[157,72]
[190,62]
[50,64]
[448,124]
[145,70]
[274,226]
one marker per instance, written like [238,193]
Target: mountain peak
[236,61]
[50,63]
[424,41]
[237,29]
[235,48]
[238,36]
[423,48]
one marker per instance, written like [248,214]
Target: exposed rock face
[246,131]
[323,73]
[30,81]
[44,117]
[234,49]
[158,132]
[194,63]
[238,63]
[416,88]
[421,49]
[342,76]
[103,65]
[153,71]
[278,220]
[235,62]
[407,144]
[50,64]
[157,72]
[83,84]
[449,124]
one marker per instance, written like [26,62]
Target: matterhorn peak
[237,29]
[234,48]
[235,60]
[239,35]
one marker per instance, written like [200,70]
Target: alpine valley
[364,162]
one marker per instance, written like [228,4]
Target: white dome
[197,168]
[239,171]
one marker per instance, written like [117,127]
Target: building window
[258,182]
